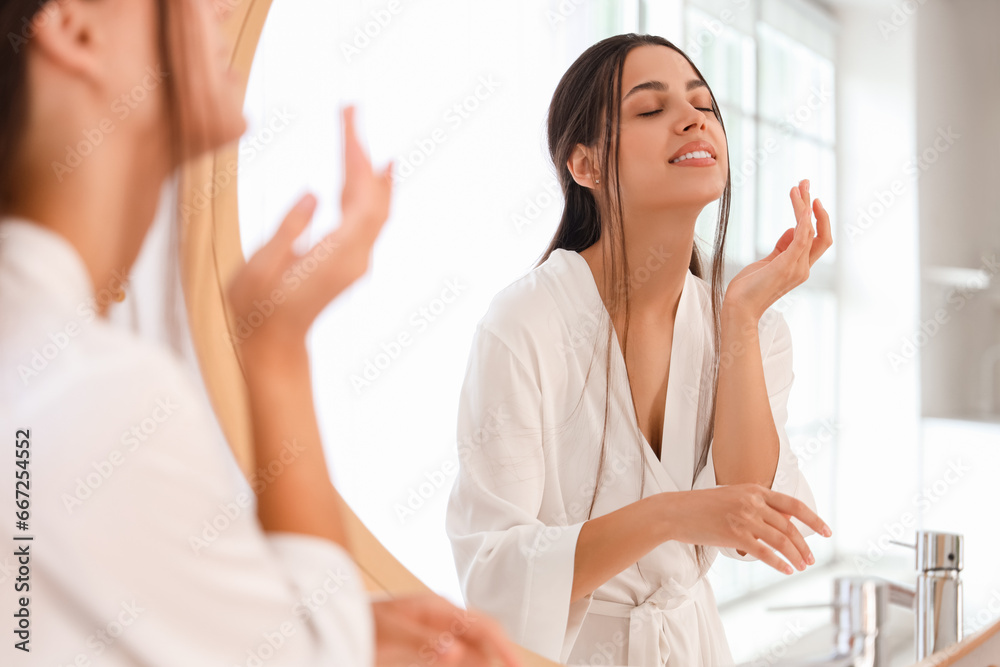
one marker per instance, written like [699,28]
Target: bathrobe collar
[691,338]
[40,262]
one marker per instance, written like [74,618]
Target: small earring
[598,181]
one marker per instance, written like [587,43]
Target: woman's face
[136,79]
[210,98]
[659,116]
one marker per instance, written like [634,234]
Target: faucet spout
[902,596]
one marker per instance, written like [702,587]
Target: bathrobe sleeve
[511,564]
[170,544]
[778,376]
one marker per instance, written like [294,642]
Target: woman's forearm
[292,482]
[745,445]
[611,543]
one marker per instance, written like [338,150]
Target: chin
[237,128]
[704,194]
[226,132]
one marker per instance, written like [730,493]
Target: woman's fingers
[785,240]
[803,225]
[800,554]
[296,220]
[352,241]
[400,634]
[353,158]
[366,219]
[365,200]
[273,258]
[397,638]
[491,639]
[765,554]
[357,166]
[773,531]
[480,633]
[795,241]
[782,244]
[794,507]
[781,543]
[366,195]
[806,207]
[824,235]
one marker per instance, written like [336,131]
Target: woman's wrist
[272,359]
[737,315]
[739,324]
[665,518]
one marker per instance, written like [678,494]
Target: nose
[690,118]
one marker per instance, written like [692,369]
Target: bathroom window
[771,65]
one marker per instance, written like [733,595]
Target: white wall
[958,95]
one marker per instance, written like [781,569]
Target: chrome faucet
[937,598]
[860,607]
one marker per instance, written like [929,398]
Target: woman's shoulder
[544,303]
[110,381]
[122,398]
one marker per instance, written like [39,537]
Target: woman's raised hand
[754,289]
[739,515]
[279,293]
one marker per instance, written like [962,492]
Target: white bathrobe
[529,435]
[146,546]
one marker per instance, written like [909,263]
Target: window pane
[796,85]
[725,58]
[812,317]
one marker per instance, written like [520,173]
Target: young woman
[141,543]
[621,419]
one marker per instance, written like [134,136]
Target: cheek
[135,78]
[213,112]
[210,104]
[643,156]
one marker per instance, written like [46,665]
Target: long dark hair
[16,22]
[16,17]
[585,110]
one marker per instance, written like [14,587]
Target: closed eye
[653,113]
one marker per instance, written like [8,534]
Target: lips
[692,147]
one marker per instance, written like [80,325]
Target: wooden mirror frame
[210,253]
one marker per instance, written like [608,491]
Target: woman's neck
[103,206]
[659,254]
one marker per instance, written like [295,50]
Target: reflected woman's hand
[738,516]
[427,629]
[760,284]
[279,293]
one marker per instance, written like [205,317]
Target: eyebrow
[662,87]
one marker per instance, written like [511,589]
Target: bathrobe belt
[663,624]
